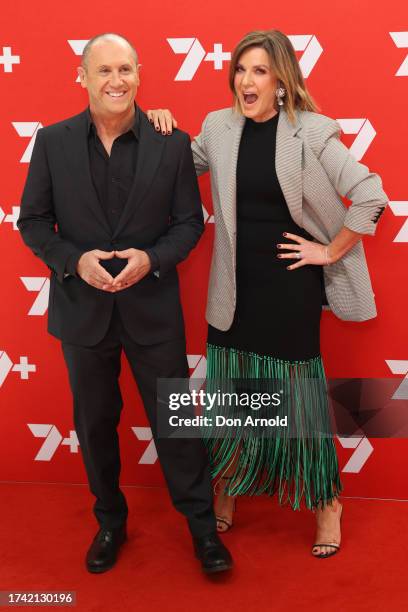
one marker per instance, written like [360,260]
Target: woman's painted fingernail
[279,256]
[157,128]
[284,234]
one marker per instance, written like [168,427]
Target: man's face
[111,78]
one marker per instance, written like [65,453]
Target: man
[112,207]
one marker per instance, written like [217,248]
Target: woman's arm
[352,180]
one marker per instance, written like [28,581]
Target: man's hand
[90,270]
[162,120]
[137,267]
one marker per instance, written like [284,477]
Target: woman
[282,234]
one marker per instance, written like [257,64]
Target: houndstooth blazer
[314,169]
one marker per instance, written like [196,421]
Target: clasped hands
[91,271]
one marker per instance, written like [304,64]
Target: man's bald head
[108,36]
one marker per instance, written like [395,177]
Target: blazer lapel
[288,164]
[150,149]
[228,159]
[75,145]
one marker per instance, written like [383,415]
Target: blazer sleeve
[37,222]
[352,180]
[198,147]
[186,220]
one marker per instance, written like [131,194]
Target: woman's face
[255,85]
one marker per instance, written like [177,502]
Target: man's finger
[98,278]
[103,274]
[124,254]
[104,254]
[109,288]
[130,278]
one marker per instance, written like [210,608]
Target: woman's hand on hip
[305,252]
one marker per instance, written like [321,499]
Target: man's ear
[82,76]
[138,67]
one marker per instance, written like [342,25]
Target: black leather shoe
[212,553]
[104,549]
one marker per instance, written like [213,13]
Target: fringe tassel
[300,465]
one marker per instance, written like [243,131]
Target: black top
[278,311]
[113,174]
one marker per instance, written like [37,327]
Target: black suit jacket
[61,217]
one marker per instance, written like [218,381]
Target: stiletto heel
[333,545]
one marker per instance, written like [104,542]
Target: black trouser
[94,373]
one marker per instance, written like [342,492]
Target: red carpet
[45,530]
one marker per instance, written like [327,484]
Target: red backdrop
[354,57]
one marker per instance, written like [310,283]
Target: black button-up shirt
[113,174]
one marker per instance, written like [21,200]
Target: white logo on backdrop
[365,135]
[207,217]
[77,46]
[53,439]
[42,285]
[150,454]
[311,48]
[11,217]
[363,450]
[198,365]
[401,41]
[27,129]
[23,367]
[8,60]
[196,54]
[400,209]
[399,366]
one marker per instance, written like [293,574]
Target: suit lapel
[288,164]
[229,159]
[75,144]
[150,149]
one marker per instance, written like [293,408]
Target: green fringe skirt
[296,462]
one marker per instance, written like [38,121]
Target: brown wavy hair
[285,65]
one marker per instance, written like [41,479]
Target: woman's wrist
[329,255]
